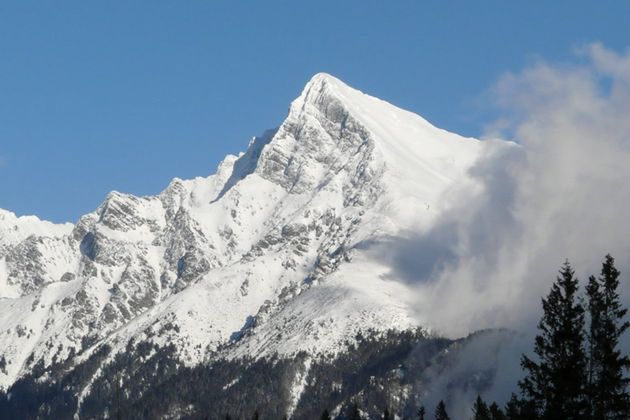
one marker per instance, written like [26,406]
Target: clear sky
[126,95]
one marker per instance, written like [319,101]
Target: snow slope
[267,255]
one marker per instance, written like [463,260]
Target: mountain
[280,253]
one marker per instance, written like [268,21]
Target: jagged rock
[272,237]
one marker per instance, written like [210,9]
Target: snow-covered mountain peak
[325,95]
[321,84]
[323,77]
[270,243]
[337,133]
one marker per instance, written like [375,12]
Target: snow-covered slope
[267,255]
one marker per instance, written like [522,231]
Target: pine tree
[386,415]
[495,412]
[325,415]
[421,412]
[480,410]
[595,304]
[555,385]
[517,409]
[512,408]
[608,385]
[440,411]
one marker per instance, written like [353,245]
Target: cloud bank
[561,191]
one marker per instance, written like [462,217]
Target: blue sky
[97,96]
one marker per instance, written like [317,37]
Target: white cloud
[564,193]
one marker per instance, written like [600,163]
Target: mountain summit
[270,255]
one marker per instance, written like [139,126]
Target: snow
[421,161]
[268,255]
[14,229]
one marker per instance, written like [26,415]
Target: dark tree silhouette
[555,384]
[495,412]
[480,410]
[607,382]
[512,408]
[421,412]
[440,411]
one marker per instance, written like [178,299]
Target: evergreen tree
[512,409]
[517,409]
[495,412]
[555,385]
[608,385]
[421,412]
[440,412]
[325,415]
[256,416]
[386,415]
[480,410]
[595,303]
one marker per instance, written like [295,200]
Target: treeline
[149,382]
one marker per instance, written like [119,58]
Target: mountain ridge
[262,256]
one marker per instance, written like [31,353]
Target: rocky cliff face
[268,255]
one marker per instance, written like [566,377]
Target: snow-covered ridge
[14,229]
[267,255]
